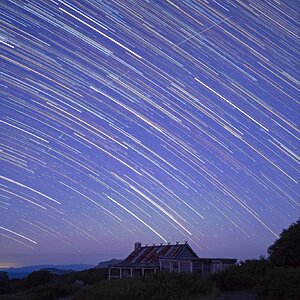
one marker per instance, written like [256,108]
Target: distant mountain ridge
[57,269]
[106,264]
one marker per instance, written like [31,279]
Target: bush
[285,252]
[243,276]
[90,276]
[160,287]
[4,283]
[38,278]
[280,284]
[49,292]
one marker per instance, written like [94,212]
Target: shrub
[285,252]
[90,276]
[160,287]
[243,276]
[38,278]
[49,292]
[280,284]
[4,283]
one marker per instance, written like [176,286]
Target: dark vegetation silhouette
[285,251]
[4,283]
[159,287]
[243,276]
[274,277]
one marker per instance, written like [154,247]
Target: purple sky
[151,121]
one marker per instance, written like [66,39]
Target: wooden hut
[147,260]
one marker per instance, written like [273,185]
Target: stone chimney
[137,245]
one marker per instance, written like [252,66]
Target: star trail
[152,121]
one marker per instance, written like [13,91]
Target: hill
[25,271]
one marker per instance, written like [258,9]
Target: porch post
[131,272]
[109,273]
[120,273]
[143,272]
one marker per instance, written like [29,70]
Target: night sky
[152,121]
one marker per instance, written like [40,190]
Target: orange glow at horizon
[8,265]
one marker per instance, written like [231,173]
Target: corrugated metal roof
[150,255]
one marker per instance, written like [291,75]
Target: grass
[163,286]
[159,287]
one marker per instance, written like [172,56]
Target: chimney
[137,245]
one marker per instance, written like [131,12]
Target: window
[174,267]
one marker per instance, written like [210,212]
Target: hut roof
[150,255]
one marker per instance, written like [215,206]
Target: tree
[4,276]
[279,283]
[38,278]
[285,252]
[4,282]
[243,276]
